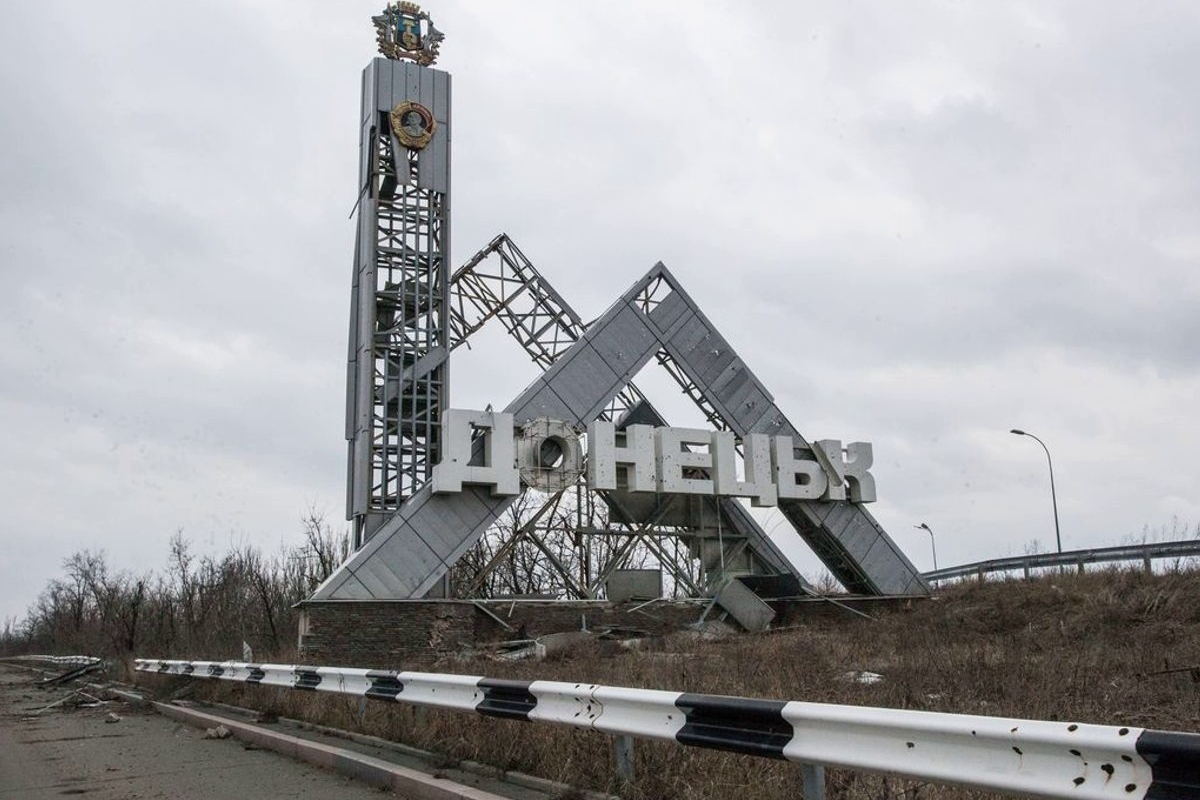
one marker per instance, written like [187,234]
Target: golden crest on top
[404,31]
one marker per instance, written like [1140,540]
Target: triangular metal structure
[410,553]
[718,535]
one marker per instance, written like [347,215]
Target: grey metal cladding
[710,357]
[444,518]
[440,104]
[733,379]
[833,517]
[743,399]
[668,311]
[352,589]
[689,335]
[496,506]
[370,79]
[804,516]
[406,81]
[370,88]
[433,165]
[383,85]
[350,483]
[364,160]
[625,341]
[330,586]
[584,380]
[399,565]
[881,565]
[539,400]
[377,576]
[351,393]
[904,565]
[773,423]
[425,78]
[749,410]
[360,456]
[856,536]
[397,81]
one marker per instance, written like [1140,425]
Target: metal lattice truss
[398,332]
[500,283]
[416,546]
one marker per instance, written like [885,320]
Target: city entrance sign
[547,454]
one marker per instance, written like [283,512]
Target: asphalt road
[75,751]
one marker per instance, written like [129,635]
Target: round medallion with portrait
[413,124]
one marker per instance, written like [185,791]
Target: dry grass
[1058,647]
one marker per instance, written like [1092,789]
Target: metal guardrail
[59,661]
[1077,558]
[1025,757]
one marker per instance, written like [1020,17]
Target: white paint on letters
[759,484]
[673,459]
[654,460]
[499,469]
[862,483]
[795,478]
[635,457]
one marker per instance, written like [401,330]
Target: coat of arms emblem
[404,31]
[413,124]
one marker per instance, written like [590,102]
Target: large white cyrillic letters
[499,469]
[759,485]
[673,459]
[862,483]
[635,458]
[795,478]
[646,459]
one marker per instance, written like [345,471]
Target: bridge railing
[1025,757]
[1145,553]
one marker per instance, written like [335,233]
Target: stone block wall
[383,634]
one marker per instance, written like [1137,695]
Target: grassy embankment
[1063,646]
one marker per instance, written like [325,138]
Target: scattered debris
[516,649]
[73,674]
[219,732]
[862,676]
[89,702]
[622,633]
[112,717]
[712,630]
[1192,672]
[559,642]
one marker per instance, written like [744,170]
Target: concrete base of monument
[392,634]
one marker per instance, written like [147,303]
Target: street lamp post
[932,544]
[1053,495]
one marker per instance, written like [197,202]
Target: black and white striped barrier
[61,661]
[1024,757]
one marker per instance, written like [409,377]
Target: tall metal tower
[397,374]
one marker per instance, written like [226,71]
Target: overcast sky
[920,224]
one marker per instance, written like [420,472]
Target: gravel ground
[78,751]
